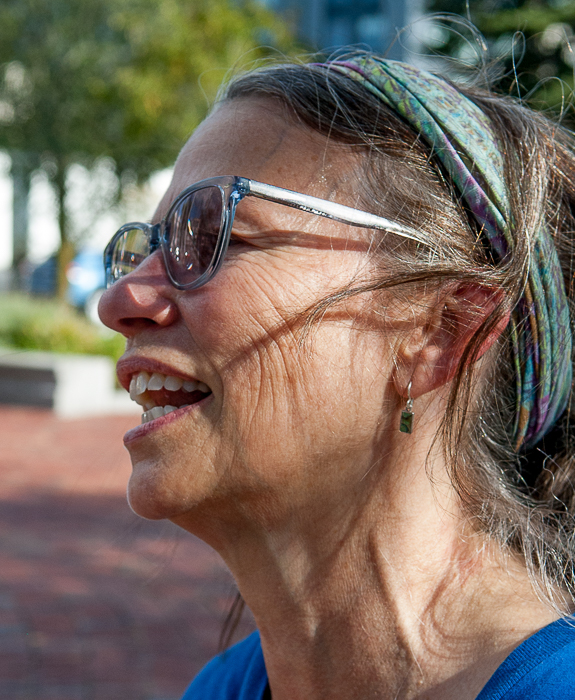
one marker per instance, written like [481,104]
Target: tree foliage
[530,46]
[122,79]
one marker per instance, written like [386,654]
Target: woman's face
[287,425]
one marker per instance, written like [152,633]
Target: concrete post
[21,173]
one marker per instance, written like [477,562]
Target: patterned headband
[462,139]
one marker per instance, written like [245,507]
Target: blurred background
[96,99]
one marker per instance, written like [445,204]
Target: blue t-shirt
[541,668]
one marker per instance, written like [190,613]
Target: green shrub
[39,324]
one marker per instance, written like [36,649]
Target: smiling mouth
[160,394]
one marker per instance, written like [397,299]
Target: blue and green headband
[461,138]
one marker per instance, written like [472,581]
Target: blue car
[86,282]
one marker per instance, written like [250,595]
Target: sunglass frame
[233,190]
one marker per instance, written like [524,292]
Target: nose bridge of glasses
[155,236]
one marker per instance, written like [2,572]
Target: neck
[383,595]
[409,624]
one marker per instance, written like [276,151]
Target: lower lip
[145,428]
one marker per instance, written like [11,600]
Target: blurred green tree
[531,44]
[120,79]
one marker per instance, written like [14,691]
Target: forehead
[254,138]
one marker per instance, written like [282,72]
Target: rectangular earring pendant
[406,422]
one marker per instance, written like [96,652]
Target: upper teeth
[143,382]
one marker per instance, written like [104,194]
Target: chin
[150,495]
[147,507]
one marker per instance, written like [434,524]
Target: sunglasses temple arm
[330,210]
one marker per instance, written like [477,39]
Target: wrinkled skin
[362,573]
[241,335]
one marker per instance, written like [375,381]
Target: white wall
[5,213]
[42,212]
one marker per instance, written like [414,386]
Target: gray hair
[523,500]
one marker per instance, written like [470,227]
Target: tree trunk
[66,252]
[21,173]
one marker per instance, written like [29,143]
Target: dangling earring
[406,422]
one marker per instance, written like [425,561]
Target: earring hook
[409,404]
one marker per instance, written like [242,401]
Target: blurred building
[330,24]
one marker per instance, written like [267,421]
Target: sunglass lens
[131,248]
[193,231]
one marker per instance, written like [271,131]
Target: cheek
[243,309]
[305,422]
[284,399]
[261,297]
[287,399]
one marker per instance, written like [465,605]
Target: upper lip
[127,367]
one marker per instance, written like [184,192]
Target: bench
[71,385]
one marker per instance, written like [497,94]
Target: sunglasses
[195,233]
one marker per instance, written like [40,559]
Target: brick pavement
[95,603]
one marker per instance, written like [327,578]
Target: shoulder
[542,668]
[238,673]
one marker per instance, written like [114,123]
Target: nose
[141,300]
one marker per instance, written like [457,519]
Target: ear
[430,355]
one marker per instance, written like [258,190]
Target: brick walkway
[95,603]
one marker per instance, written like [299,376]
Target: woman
[362,401]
